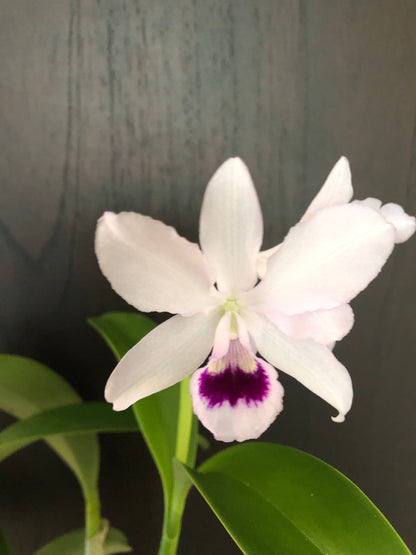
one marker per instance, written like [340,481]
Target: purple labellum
[234,384]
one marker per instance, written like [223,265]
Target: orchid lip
[236,376]
[233,385]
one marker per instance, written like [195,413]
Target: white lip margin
[241,422]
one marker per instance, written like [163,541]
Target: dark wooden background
[131,105]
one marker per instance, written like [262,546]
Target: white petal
[242,421]
[370,202]
[312,364]
[222,337]
[151,266]
[323,326]
[231,227]
[243,335]
[337,189]
[325,261]
[162,358]
[263,258]
[403,224]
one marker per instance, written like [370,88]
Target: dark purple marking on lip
[233,384]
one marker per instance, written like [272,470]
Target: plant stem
[173,512]
[168,543]
[185,421]
[94,545]
[174,507]
[168,546]
[92,513]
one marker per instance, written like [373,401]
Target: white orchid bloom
[291,318]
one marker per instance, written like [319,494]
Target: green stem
[173,512]
[185,421]
[168,546]
[94,545]
[168,543]
[92,513]
[183,453]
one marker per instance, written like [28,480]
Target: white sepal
[326,261]
[231,227]
[337,189]
[151,266]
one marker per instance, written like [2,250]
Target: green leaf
[158,414]
[121,330]
[72,419]
[73,543]
[116,542]
[275,499]
[27,388]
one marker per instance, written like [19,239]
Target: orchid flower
[291,317]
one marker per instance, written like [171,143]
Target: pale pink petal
[326,261]
[263,258]
[312,364]
[243,335]
[404,225]
[222,337]
[231,419]
[337,189]
[151,266]
[162,358]
[231,227]
[370,202]
[323,326]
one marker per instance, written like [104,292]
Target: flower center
[231,305]
[237,359]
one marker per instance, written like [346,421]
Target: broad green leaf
[73,543]
[71,419]
[28,387]
[157,414]
[121,330]
[116,542]
[275,499]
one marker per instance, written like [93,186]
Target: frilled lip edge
[236,405]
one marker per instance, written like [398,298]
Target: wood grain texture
[131,105]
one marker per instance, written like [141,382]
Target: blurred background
[132,105]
